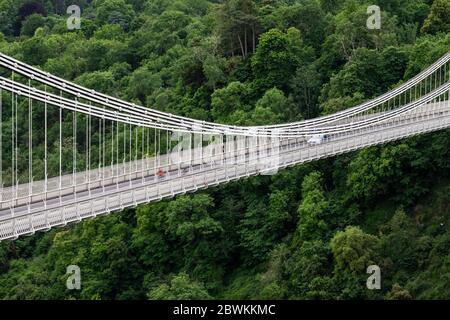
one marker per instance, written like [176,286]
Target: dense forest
[307,232]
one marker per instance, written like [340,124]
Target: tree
[381,171]
[262,116]
[399,293]
[115,12]
[180,287]
[330,5]
[110,32]
[259,228]
[8,15]
[270,283]
[276,59]
[333,105]
[407,11]
[425,51]
[438,19]
[188,218]
[149,238]
[182,233]
[368,73]
[312,209]
[142,83]
[280,217]
[305,89]
[31,23]
[213,67]
[227,100]
[261,237]
[351,33]
[307,265]
[308,17]
[399,243]
[102,81]
[3,257]
[237,26]
[354,250]
[271,108]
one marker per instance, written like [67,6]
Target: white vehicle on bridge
[317,139]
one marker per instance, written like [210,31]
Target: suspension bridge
[68,153]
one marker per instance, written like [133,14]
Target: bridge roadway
[58,211]
[76,183]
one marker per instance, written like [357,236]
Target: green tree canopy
[313,208]
[354,250]
[438,19]
[180,287]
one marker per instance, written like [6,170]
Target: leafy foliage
[308,232]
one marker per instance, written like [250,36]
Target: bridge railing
[62,143]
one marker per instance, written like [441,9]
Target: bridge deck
[73,207]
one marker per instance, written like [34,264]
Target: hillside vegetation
[307,232]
